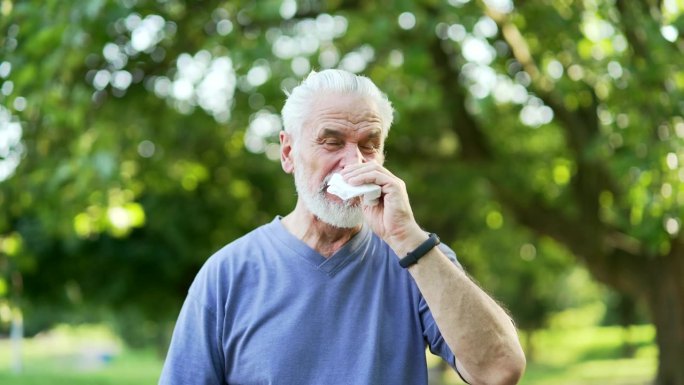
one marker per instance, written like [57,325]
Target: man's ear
[286,152]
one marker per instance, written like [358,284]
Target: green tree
[148,134]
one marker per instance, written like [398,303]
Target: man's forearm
[474,326]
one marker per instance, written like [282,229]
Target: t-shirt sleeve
[195,355]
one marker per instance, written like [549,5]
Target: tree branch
[474,144]
[581,127]
[612,257]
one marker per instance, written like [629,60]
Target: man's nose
[353,155]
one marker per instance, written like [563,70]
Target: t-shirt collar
[334,263]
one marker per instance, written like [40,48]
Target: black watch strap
[422,249]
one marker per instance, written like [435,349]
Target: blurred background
[543,140]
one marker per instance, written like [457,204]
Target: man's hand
[391,218]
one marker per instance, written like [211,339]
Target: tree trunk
[17,325]
[530,351]
[626,309]
[666,301]
[17,337]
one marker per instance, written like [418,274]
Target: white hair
[299,100]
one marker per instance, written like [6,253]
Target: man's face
[342,129]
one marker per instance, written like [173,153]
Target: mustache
[324,187]
[325,183]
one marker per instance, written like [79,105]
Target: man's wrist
[413,256]
[408,241]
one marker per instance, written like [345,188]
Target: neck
[326,239]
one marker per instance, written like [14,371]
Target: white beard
[347,214]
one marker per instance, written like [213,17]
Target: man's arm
[473,325]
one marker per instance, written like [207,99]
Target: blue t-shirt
[268,309]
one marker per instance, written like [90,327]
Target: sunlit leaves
[200,80]
[11,244]
[155,123]
[118,221]
[11,147]
[262,134]
[188,173]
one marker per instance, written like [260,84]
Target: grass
[87,355]
[130,368]
[92,355]
[593,356]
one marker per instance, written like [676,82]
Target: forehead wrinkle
[353,116]
[345,119]
[338,111]
[352,113]
[324,125]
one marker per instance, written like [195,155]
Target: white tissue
[337,186]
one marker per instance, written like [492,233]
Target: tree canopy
[137,137]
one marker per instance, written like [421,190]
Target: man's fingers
[368,173]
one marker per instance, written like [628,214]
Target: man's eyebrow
[331,132]
[375,134]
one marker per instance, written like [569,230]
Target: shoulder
[241,247]
[231,263]
[244,248]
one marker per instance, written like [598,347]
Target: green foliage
[149,137]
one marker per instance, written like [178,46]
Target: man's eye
[369,148]
[332,143]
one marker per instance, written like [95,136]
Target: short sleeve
[195,355]
[432,335]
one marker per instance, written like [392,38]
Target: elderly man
[338,291]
